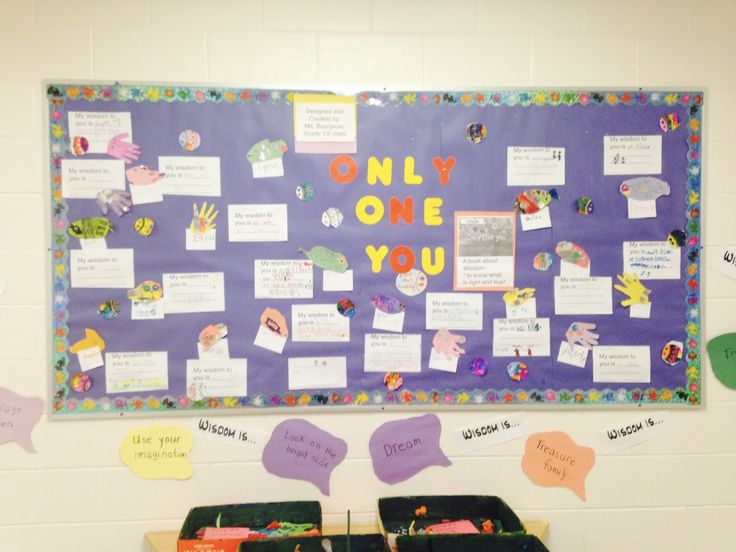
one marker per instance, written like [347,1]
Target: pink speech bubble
[18,416]
[402,449]
[553,459]
[300,450]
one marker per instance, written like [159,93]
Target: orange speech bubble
[553,459]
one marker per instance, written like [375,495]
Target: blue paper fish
[644,188]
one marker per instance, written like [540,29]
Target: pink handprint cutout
[448,344]
[125,151]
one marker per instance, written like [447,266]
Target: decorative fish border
[57,94]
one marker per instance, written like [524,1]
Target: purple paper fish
[388,304]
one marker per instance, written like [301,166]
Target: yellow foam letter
[409,176]
[432,211]
[382,171]
[369,202]
[376,256]
[439,260]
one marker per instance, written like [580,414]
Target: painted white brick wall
[676,493]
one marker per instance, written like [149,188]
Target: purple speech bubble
[18,415]
[300,450]
[402,449]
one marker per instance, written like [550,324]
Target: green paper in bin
[337,543]
[722,354]
[256,516]
[470,543]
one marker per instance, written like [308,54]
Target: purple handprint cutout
[582,333]
[117,200]
[125,151]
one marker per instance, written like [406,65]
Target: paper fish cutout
[644,188]
[142,175]
[479,367]
[677,238]
[305,192]
[672,352]
[189,140]
[90,228]
[669,122]
[476,132]
[542,261]
[332,217]
[81,383]
[388,304]
[211,334]
[346,308]
[448,344]
[18,416]
[326,259]
[572,253]
[79,146]
[517,371]
[533,201]
[144,226]
[147,291]
[393,381]
[265,150]
[109,309]
[584,205]
[274,321]
[91,339]
[411,283]
[517,296]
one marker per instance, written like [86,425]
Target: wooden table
[165,541]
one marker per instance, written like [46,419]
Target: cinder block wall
[677,493]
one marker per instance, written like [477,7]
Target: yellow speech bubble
[158,452]
[553,459]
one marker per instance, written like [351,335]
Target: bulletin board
[243,249]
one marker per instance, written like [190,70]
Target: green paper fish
[265,150]
[326,259]
[90,228]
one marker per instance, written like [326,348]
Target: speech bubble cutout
[300,450]
[18,416]
[158,452]
[402,449]
[722,354]
[553,459]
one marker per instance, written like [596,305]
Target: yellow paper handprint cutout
[633,289]
[203,219]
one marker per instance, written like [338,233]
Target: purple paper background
[477,182]
[420,438]
[18,416]
[300,436]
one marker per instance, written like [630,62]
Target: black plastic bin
[470,543]
[337,543]
[256,516]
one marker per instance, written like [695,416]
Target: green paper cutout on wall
[722,353]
